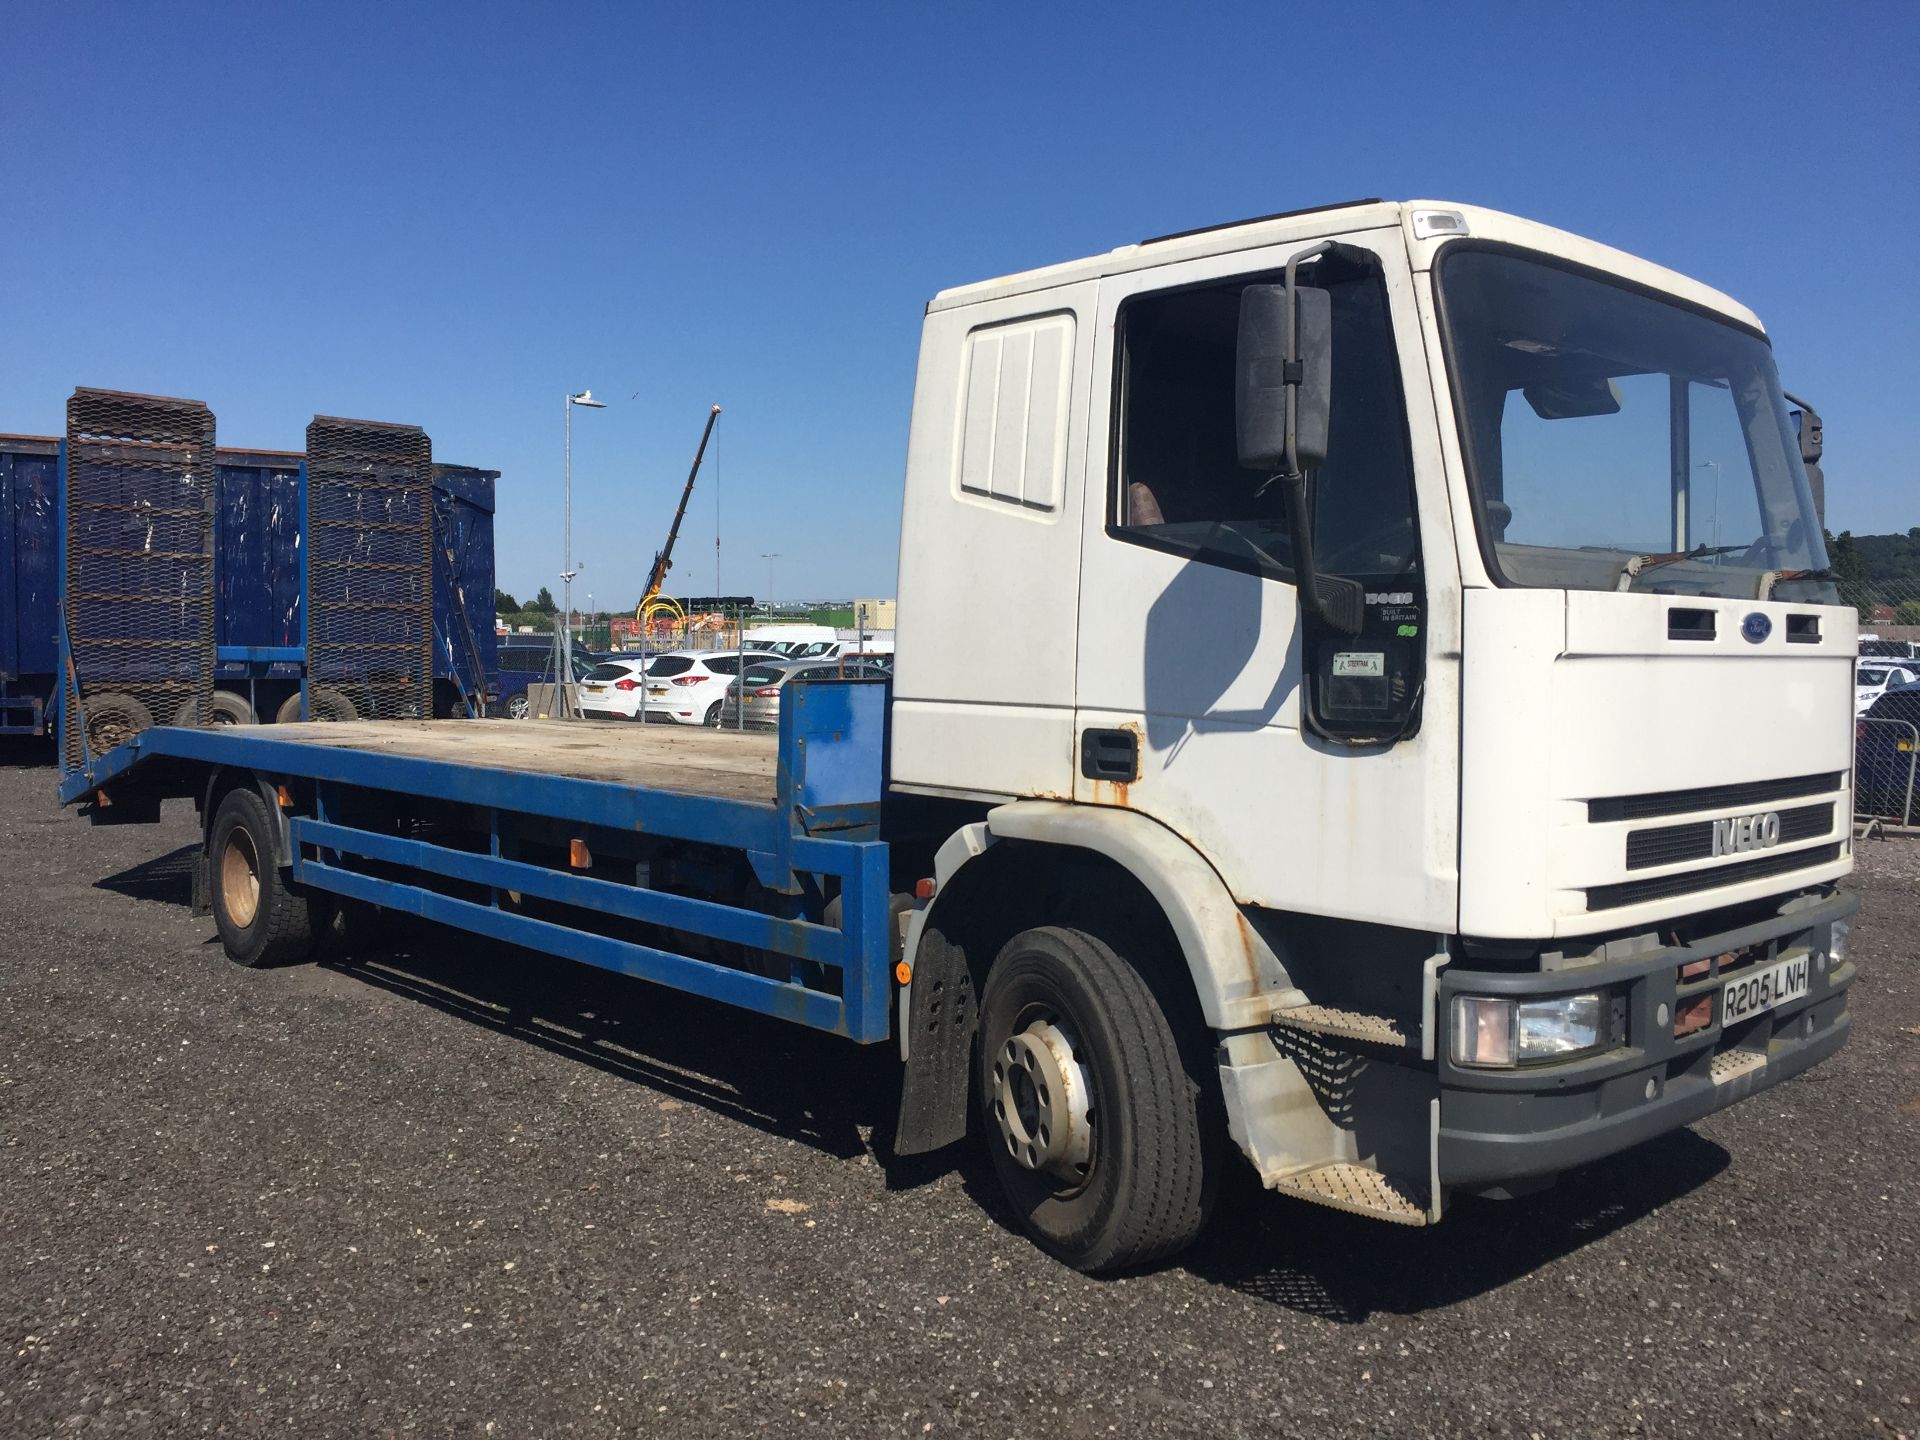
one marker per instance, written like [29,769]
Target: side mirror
[1813,437]
[1269,339]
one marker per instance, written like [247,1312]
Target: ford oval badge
[1756,627]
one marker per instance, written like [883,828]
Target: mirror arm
[1334,601]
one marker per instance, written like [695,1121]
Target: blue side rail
[816,837]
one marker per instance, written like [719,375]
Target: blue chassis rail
[823,821]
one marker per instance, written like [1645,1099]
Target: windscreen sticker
[1371,663]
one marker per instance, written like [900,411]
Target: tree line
[1873,570]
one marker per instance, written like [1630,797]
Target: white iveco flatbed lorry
[1411,744]
[1468,809]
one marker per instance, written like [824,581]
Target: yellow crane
[651,601]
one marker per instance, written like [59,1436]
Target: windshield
[610,671]
[664,665]
[762,675]
[1618,441]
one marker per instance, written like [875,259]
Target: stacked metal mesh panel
[370,567]
[139,566]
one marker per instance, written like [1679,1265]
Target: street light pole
[1715,464]
[770,558]
[585,400]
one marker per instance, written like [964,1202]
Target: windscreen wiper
[1631,571]
[1764,590]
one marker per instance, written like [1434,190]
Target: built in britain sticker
[1359,662]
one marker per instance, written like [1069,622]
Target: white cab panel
[989,548]
[1204,662]
[1572,697]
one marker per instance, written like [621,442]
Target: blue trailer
[29,581]
[465,656]
[258,616]
[730,865]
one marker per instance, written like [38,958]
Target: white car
[684,686]
[611,690]
[1870,682]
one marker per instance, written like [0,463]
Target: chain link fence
[1886,734]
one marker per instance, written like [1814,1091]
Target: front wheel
[1102,1130]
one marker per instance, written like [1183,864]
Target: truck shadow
[1344,1268]
[841,1099]
[780,1078]
[25,752]
[167,878]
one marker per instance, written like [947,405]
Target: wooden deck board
[683,759]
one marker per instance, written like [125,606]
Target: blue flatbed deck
[801,808]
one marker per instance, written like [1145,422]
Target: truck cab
[1514,836]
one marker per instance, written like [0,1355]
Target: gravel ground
[453,1191]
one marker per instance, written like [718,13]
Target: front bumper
[1506,1125]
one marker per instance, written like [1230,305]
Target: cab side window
[1177,481]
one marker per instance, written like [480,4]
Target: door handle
[1110,755]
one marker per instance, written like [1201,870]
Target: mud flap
[935,1094]
[202,882]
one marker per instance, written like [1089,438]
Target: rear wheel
[1102,1130]
[326,703]
[262,919]
[114,719]
[226,708]
[712,720]
[518,706]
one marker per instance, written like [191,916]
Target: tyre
[113,719]
[289,711]
[326,703]
[1103,1131]
[261,919]
[712,718]
[227,709]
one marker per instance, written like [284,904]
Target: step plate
[1730,1065]
[1358,1191]
[1343,1024]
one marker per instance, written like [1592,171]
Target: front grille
[1748,794]
[1660,887]
[1672,844]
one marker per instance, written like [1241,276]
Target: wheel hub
[1042,1101]
[240,879]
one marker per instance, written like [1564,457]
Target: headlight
[1494,1031]
[1837,934]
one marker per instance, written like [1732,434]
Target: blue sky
[452,215]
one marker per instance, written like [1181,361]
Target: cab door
[1193,698]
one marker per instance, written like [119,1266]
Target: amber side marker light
[1693,1015]
[578,855]
[903,972]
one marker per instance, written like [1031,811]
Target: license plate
[656,689]
[595,689]
[1761,991]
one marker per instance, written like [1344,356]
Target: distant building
[880,613]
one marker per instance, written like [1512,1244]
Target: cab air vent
[1686,624]
[1710,797]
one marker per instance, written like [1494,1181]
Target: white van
[796,641]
